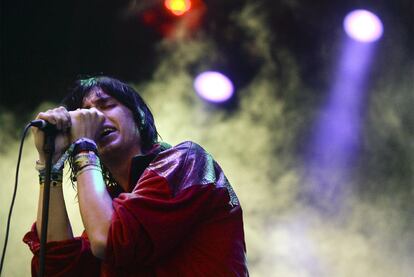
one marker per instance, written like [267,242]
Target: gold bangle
[88,168]
[82,160]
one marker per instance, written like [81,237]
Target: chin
[107,150]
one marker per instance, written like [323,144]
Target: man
[148,209]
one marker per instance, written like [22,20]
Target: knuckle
[47,115]
[76,115]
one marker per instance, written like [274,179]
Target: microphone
[43,125]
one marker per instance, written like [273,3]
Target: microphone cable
[14,196]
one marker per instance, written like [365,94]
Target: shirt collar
[140,162]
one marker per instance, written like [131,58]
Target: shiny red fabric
[181,219]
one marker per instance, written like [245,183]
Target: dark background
[47,44]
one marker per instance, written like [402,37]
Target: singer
[149,209]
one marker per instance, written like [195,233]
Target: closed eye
[108,105]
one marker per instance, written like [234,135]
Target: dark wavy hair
[127,96]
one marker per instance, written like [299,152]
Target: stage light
[336,136]
[213,86]
[363,26]
[178,7]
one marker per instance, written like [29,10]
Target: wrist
[55,158]
[56,177]
[42,159]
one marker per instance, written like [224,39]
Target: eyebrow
[99,101]
[103,99]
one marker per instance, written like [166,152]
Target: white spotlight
[363,26]
[213,86]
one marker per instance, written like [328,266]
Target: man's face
[120,135]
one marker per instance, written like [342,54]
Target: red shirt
[181,218]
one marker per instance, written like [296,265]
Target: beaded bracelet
[60,163]
[75,149]
[56,178]
[53,184]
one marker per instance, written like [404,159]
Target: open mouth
[106,131]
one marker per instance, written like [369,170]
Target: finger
[62,118]
[77,118]
[47,116]
[97,114]
[59,118]
[68,120]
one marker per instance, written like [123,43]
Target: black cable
[14,196]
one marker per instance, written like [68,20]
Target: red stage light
[178,7]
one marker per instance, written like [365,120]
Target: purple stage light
[213,86]
[363,26]
[335,144]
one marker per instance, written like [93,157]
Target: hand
[59,117]
[86,123]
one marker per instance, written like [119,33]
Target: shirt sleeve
[178,190]
[63,258]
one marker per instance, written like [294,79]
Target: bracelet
[56,178]
[79,146]
[88,168]
[40,166]
[59,164]
[82,160]
[85,160]
[84,145]
[52,184]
